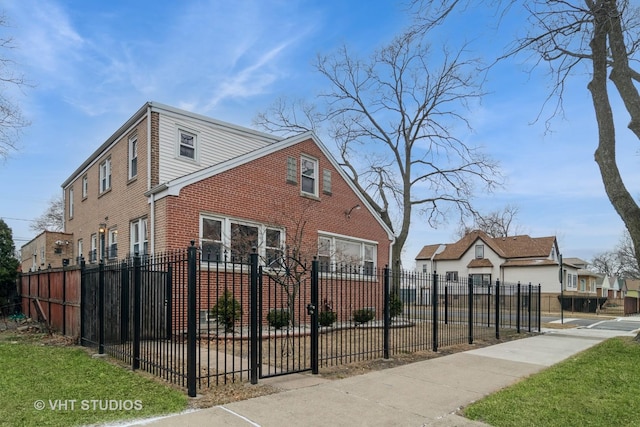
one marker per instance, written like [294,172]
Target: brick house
[48,249]
[167,177]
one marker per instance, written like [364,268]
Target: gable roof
[522,247]
[149,107]
[173,187]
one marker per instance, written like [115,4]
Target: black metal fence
[198,322]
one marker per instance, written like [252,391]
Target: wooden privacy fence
[53,296]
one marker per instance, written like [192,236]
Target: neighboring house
[603,285]
[587,280]
[632,298]
[616,288]
[49,249]
[167,177]
[511,259]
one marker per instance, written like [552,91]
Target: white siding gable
[214,144]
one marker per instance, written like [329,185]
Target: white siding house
[509,259]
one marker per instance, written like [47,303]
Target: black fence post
[315,306]
[136,312]
[434,315]
[540,309]
[124,302]
[497,309]
[101,308]
[254,330]
[529,307]
[191,319]
[518,310]
[387,313]
[470,318]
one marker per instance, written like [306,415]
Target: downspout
[152,209]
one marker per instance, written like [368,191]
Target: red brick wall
[258,192]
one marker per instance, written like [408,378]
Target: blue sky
[93,64]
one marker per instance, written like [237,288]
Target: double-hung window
[309,175]
[70,202]
[80,251]
[479,251]
[187,144]
[133,156]
[113,244]
[93,255]
[85,186]
[139,240]
[105,175]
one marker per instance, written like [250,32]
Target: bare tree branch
[396,119]
[11,119]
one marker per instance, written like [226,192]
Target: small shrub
[363,315]
[278,317]
[327,318]
[395,305]
[227,310]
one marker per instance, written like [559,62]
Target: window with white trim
[479,251]
[139,240]
[112,252]
[105,175]
[93,254]
[70,202]
[85,186]
[451,276]
[80,251]
[133,156]
[345,254]
[309,175]
[226,239]
[187,144]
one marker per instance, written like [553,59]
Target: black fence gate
[284,323]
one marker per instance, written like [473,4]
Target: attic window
[187,144]
[479,251]
[309,175]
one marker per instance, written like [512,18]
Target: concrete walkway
[426,393]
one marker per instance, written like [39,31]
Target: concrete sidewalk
[426,393]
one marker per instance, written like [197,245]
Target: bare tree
[497,223]
[574,37]
[629,267]
[621,261]
[605,263]
[11,119]
[398,119]
[52,219]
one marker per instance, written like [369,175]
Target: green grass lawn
[42,385]
[598,387]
